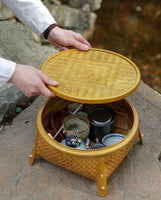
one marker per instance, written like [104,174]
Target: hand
[31,81]
[66,39]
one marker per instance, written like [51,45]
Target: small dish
[97,145]
[112,139]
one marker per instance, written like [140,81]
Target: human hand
[66,39]
[31,81]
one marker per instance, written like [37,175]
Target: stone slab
[138,177]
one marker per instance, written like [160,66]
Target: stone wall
[77,15]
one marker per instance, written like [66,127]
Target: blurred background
[133,29]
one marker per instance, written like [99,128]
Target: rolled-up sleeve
[7,69]
[32,13]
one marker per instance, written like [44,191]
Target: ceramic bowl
[76,125]
[112,139]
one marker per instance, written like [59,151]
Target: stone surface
[91,22]
[5,13]
[90,4]
[68,17]
[138,177]
[9,97]
[56,2]
[18,45]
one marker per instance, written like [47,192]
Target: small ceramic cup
[76,125]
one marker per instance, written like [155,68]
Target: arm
[28,79]
[35,15]
[32,13]
[31,81]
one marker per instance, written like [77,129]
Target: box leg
[101,178]
[32,156]
[140,136]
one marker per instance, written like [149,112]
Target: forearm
[7,69]
[32,13]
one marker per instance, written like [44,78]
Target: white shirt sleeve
[32,13]
[7,69]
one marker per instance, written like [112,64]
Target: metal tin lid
[101,116]
[96,76]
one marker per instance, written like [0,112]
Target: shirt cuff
[7,69]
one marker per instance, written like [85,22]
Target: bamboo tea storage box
[93,77]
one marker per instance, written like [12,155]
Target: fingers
[80,46]
[47,80]
[43,87]
[62,48]
[81,39]
[31,81]
[79,42]
[46,92]
[64,39]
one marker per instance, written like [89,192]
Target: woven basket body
[93,77]
[93,164]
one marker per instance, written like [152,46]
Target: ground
[132,28]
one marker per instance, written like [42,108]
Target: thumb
[47,80]
[46,92]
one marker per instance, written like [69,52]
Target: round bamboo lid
[97,76]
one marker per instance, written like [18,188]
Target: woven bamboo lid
[97,76]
